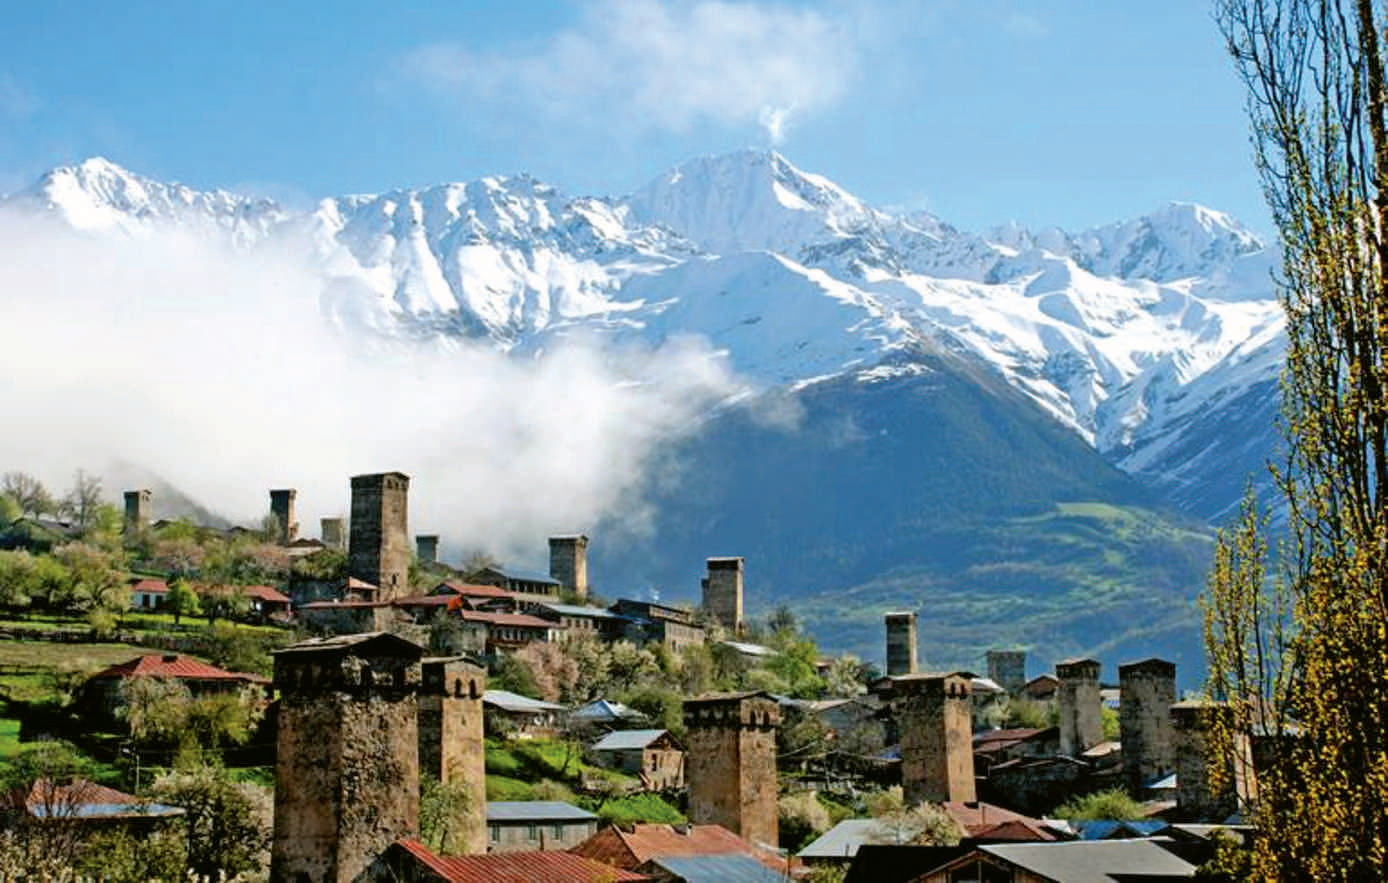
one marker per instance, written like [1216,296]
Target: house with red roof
[410,861]
[147,593]
[629,847]
[100,694]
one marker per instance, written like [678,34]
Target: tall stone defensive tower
[1197,798]
[450,739]
[282,507]
[1008,669]
[347,755]
[1081,726]
[901,643]
[331,532]
[426,548]
[935,721]
[378,550]
[568,562]
[1148,690]
[137,505]
[723,592]
[730,763]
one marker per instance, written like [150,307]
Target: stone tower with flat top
[935,721]
[1081,723]
[451,749]
[282,507]
[723,592]
[730,763]
[378,545]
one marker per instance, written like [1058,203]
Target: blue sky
[1069,113]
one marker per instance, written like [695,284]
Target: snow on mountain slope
[1129,333]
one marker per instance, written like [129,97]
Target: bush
[1113,805]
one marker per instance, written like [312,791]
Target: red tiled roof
[259,593]
[518,620]
[449,601]
[1016,829]
[979,817]
[148,586]
[629,849]
[515,867]
[472,591]
[991,740]
[79,792]
[183,668]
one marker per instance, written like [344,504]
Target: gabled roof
[1092,861]
[628,740]
[374,642]
[148,585]
[994,740]
[513,620]
[603,710]
[845,839]
[729,868]
[513,867]
[468,590]
[516,703]
[536,811]
[82,799]
[631,848]
[258,593]
[528,576]
[173,667]
[579,610]
[978,816]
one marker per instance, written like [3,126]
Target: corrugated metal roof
[536,811]
[515,867]
[626,740]
[603,710]
[529,576]
[731,868]
[508,701]
[580,610]
[845,839]
[1092,861]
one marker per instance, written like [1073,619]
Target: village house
[524,825]
[648,622]
[100,694]
[95,808]
[508,632]
[654,756]
[409,861]
[578,620]
[630,847]
[520,716]
[147,593]
[525,583]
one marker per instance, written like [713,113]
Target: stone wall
[1148,691]
[568,563]
[379,543]
[934,719]
[723,592]
[730,764]
[347,757]
[1081,725]
[450,740]
[901,643]
[1008,669]
[1198,796]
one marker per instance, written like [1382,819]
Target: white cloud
[214,369]
[663,64]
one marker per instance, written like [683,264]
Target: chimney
[935,720]
[1081,726]
[568,563]
[426,547]
[730,763]
[901,643]
[723,592]
[1197,797]
[1008,669]
[282,507]
[1148,690]
[330,531]
[137,505]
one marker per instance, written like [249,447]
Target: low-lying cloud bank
[214,368]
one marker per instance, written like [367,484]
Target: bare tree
[82,500]
[26,490]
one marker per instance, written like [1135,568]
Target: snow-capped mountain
[1131,334]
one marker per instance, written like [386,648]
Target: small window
[532,832]
[557,832]
[495,833]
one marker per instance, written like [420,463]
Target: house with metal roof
[654,756]
[1074,861]
[579,619]
[631,847]
[409,861]
[521,716]
[100,695]
[604,714]
[526,825]
[525,583]
[729,868]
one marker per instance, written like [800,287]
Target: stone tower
[935,721]
[378,548]
[1148,690]
[1081,726]
[137,504]
[568,563]
[730,763]
[901,643]
[450,738]
[1197,798]
[426,548]
[723,592]
[347,754]
[330,531]
[1008,669]
[282,507]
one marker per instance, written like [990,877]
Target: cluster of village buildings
[364,711]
